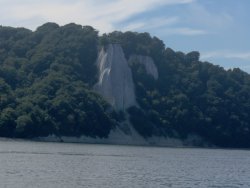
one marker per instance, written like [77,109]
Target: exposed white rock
[148,63]
[115,78]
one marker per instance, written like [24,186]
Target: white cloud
[153,23]
[101,14]
[226,54]
[164,26]
[183,31]
[200,15]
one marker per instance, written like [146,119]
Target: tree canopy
[47,76]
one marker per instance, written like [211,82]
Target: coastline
[118,137]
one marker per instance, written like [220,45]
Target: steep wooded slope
[47,79]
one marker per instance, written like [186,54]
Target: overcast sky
[219,29]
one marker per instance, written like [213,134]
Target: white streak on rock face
[148,63]
[115,78]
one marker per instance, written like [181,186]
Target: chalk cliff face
[148,63]
[115,78]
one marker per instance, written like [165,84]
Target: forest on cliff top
[47,76]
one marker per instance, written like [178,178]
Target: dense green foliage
[45,81]
[46,78]
[190,97]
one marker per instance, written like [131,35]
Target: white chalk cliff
[148,63]
[115,82]
[116,85]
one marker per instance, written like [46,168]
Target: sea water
[26,164]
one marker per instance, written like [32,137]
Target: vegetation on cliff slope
[46,80]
